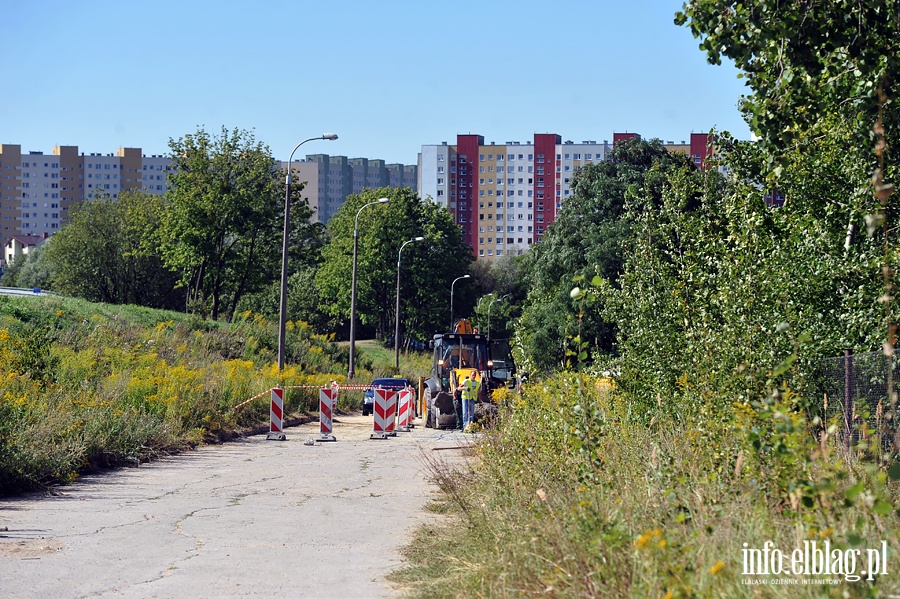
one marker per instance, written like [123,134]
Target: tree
[586,240]
[805,62]
[223,228]
[506,280]
[427,268]
[822,71]
[35,271]
[106,253]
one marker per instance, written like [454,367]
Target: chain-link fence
[854,395]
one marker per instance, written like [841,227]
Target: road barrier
[339,387]
[327,401]
[384,409]
[404,410]
[276,415]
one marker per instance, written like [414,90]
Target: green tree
[427,268]
[505,279]
[586,240]
[806,61]
[822,71]
[35,271]
[223,228]
[106,253]
[304,303]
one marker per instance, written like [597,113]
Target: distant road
[21,291]
[250,518]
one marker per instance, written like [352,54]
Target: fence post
[848,399]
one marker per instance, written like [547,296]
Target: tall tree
[805,62]
[822,71]
[223,229]
[106,253]
[427,268]
[586,240]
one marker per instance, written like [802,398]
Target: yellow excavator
[459,354]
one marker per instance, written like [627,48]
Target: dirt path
[251,518]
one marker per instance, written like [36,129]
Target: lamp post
[451,297]
[489,306]
[352,371]
[489,313]
[397,311]
[282,309]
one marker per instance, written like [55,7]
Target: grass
[86,386]
[413,364]
[566,496]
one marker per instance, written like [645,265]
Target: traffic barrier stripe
[276,412]
[383,410]
[404,411]
[326,405]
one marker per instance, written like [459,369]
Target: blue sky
[385,76]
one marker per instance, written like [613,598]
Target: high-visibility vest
[470,389]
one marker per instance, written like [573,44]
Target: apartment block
[330,179]
[38,191]
[504,196]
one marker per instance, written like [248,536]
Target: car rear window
[390,383]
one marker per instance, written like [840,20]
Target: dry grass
[618,509]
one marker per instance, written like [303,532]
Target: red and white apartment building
[504,196]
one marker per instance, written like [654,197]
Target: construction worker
[469,389]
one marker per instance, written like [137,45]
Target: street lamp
[479,303]
[282,310]
[397,312]
[451,297]
[489,313]
[352,371]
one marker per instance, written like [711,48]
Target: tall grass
[569,495]
[87,385]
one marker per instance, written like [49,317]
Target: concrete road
[251,518]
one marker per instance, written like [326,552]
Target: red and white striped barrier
[276,415]
[384,410]
[404,410]
[327,401]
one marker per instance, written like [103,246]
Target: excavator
[457,355]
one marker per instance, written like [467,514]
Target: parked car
[368,406]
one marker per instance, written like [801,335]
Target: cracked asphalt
[249,518]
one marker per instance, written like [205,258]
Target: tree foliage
[223,228]
[28,270]
[806,61]
[823,78]
[427,268]
[106,253]
[586,240]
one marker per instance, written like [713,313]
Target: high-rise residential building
[37,190]
[504,196]
[330,179]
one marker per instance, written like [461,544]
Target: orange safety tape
[251,399]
